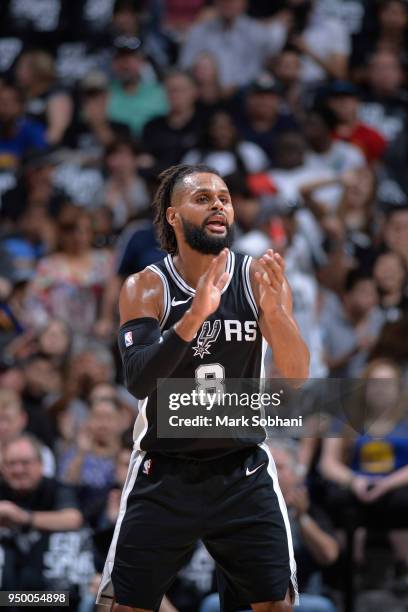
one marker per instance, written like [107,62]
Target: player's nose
[217,204]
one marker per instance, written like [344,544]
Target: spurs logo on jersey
[234,330]
[208,335]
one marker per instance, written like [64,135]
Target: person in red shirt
[343,98]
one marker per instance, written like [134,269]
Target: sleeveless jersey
[228,345]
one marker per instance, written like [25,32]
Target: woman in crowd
[366,464]
[35,74]
[391,277]
[386,30]
[124,192]
[209,90]
[69,283]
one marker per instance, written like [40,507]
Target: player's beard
[199,240]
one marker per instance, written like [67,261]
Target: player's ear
[171,215]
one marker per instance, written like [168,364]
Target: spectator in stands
[42,384]
[393,26]
[349,222]
[18,135]
[128,20]
[367,462]
[221,148]
[390,274]
[261,120]
[206,77]
[45,103]
[384,105]
[11,377]
[13,422]
[54,341]
[287,70]
[111,510]
[12,315]
[90,463]
[323,42]
[343,98]
[33,509]
[133,101]
[128,406]
[69,283]
[388,30]
[351,327]
[24,487]
[291,170]
[169,137]
[30,238]
[395,231]
[325,152]
[391,343]
[87,369]
[13,418]
[124,191]
[91,130]
[34,190]
[249,43]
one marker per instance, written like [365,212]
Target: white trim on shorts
[282,505]
[105,596]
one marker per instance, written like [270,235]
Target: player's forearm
[290,353]
[60,520]
[147,356]
[74,469]
[331,466]
[188,326]
[399,478]
[322,546]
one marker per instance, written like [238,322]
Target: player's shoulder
[144,280]
[141,296]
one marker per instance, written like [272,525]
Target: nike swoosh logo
[175,302]
[250,472]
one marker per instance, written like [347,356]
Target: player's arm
[148,355]
[274,300]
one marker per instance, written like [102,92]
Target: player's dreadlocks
[162,200]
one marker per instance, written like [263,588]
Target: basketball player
[176,322]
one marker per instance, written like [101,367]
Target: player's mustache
[214,215]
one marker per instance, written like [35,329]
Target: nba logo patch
[128,339]
[147,466]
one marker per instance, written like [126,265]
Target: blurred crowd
[302,107]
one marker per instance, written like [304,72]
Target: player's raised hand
[209,287]
[270,278]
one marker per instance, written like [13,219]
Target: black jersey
[229,345]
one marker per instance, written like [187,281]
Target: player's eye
[202,198]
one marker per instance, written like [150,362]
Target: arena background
[302,108]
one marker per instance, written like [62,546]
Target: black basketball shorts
[233,504]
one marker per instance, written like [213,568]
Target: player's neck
[191,264]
